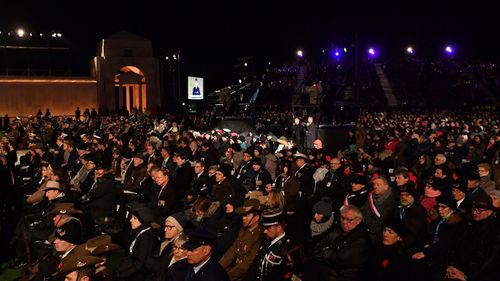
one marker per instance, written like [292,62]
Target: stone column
[127,97]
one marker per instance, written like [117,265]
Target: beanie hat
[359,179]
[140,156]
[88,157]
[435,183]
[143,214]
[179,220]
[226,170]
[127,153]
[408,189]
[397,226]
[257,161]
[481,200]
[473,176]
[235,200]
[324,206]
[460,185]
[447,201]
[236,147]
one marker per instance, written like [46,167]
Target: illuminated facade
[124,74]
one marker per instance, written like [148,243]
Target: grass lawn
[9,274]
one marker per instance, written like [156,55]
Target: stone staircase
[392,101]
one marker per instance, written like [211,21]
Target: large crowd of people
[419,82]
[410,196]
[443,82]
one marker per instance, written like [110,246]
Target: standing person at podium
[298,132]
[310,133]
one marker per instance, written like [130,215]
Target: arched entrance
[130,89]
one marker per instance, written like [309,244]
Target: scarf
[319,228]
[429,192]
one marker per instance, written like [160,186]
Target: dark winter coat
[305,177]
[165,163]
[298,134]
[444,234]
[385,205]
[335,185]
[104,197]
[222,190]
[243,175]
[210,271]
[310,135]
[181,182]
[227,230]
[158,261]
[176,272]
[414,219]
[73,163]
[392,263]
[346,254]
[264,177]
[477,251]
[357,198]
[163,201]
[134,177]
[200,185]
[133,267]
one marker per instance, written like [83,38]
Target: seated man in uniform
[202,266]
[238,258]
[269,264]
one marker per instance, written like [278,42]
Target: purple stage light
[449,49]
[300,54]
[409,50]
[335,54]
[372,52]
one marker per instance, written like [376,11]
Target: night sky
[213,34]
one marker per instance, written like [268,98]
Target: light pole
[178,54]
